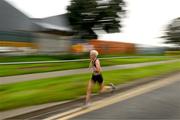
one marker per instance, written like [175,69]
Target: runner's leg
[104,88]
[89,90]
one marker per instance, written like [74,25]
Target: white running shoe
[112,86]
[87,105]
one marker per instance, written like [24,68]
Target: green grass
[29,58]
[9,70]
[70,87]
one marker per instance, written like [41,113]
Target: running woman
[96,77]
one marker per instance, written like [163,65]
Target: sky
[144,24]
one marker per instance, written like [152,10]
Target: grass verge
[70,87]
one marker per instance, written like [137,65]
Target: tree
[85,16]
[112,15]
[172,33]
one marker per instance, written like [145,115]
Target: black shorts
[97,78]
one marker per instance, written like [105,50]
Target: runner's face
[92,56]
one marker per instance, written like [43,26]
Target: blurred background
[80,30]
[41,39]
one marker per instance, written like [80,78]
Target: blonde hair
[94,52]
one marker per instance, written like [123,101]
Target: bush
[172,52]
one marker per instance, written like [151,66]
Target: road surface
[159,104]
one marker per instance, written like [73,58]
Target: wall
[111,47]
[48,43]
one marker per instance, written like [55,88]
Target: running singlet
[94,65]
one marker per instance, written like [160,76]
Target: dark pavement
[160,104]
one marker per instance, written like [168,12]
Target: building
[105,47]
[111,47]
[19,33]
[15,29]
[54,34]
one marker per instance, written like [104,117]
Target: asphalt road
[159,104]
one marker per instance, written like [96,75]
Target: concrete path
[35,76]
